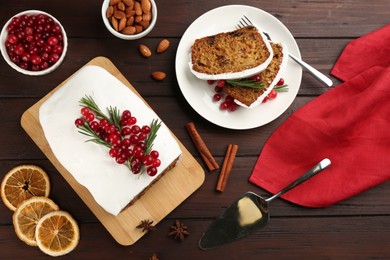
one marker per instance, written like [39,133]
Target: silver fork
[318,75]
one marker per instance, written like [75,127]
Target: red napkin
[349,124]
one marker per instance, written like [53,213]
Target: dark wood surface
[357,228]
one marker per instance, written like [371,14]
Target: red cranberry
[52,41]
[12,38]
[35,59]
[25,57]
[19,49]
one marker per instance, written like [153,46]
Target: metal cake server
[248,213]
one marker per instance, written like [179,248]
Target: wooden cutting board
[157,202]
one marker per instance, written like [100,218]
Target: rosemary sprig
[86,129]
[88,102]
[114,116]
[154,127]
[281,88]
[250,83]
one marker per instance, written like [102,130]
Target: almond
[158,75]
[114,23]
[128,3]
[129,12]
[138,18]
[144,24]
[110,11]
[130,21]
[147,17]
[122,24]
[144,50]
[138,28]
[114,2]
[121,6]
[119,14]
[137,8]
[146,6]
[129,30]
[162,46]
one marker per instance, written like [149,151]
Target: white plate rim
[199,94]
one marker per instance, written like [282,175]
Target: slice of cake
[230,55]
[250,97]
[112,185]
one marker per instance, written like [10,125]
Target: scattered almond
[162,46]
[158,75]
[144,50]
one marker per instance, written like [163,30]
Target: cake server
[247,214]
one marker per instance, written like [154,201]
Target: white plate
[199,93]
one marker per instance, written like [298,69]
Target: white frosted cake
[112,185]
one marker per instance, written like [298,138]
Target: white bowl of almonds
[129,19]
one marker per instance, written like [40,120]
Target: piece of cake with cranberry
[230,55]
[119,147]
[252,96]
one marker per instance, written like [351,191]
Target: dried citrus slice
[27,215]
[57,233]
[24,182]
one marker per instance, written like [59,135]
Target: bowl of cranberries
[33,42]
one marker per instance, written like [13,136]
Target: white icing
[240,74]
[112,185]
[278,76]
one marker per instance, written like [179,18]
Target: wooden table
[358,228]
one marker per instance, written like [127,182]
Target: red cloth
[363,53]
[349,124]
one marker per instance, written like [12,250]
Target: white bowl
[4,36]
[133,36]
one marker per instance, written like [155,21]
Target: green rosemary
[250,83]
[114,117]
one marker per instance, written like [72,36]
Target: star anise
[146,225]
[179,231]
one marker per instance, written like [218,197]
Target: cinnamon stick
[202,148]
[227,166]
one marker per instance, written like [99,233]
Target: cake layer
[251,97]
[112,185]
[230,55]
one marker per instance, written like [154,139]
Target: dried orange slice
[27,215]
[22,183]
[57,233]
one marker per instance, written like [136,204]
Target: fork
[316,74]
